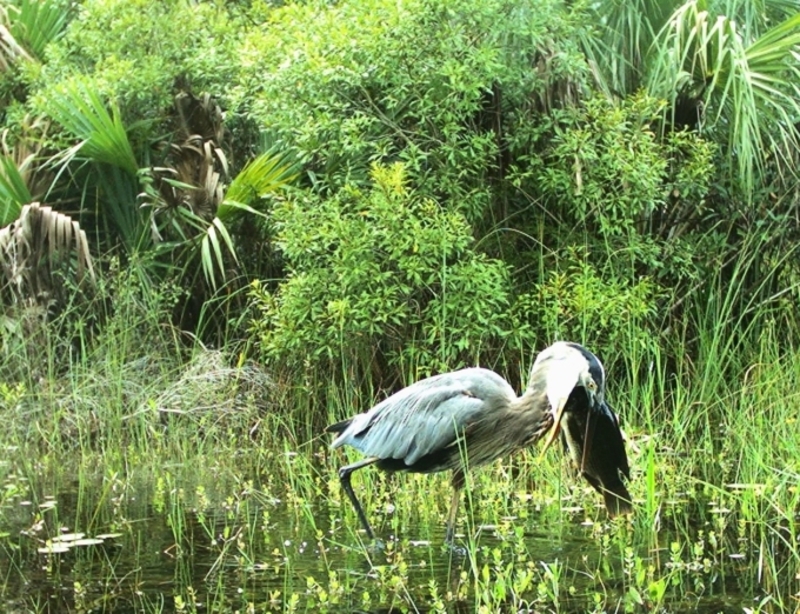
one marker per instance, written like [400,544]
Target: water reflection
[173,547]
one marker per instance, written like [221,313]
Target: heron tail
[617,500]
[339,427]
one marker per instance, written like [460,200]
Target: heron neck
[528,402]
[530,409]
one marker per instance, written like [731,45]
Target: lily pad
[89,541]
[69,537]
[54,548]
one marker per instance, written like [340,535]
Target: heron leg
[344,478]
[458,486]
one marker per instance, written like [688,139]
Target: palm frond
[103,141]
[194,166]
[618,41]
[267,174]
[773,74]
[82,112]
[37,23]
[754,15]
[213,240]
[11,51]
[212,254]
[37,243]
[749,89]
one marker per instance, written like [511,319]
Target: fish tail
[617,500]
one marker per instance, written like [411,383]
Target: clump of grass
[126,385]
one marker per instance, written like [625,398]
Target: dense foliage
[407,187]
[383,280]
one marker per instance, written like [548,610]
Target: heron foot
[376,545]
[455,549]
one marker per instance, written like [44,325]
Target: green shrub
[138,52]
[607,165]
[439,85]
[586,301]
[635,200]
[380,282]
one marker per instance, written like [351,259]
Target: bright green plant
[580,301]
[103,143]
[14,193]
[380,279]
[438,85]
[636,200]
[608,164]
[136,52]
[36,23]
[27,27]
[741,78]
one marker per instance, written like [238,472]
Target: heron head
[562,369]
[593,383]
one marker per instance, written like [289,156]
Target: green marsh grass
[219,485]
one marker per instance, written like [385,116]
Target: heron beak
[556,428]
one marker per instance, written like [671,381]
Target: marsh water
[103,542]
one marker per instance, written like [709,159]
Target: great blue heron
[471,417]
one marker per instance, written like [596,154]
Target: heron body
[457,420]
[468,418]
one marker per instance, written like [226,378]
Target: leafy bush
[133,52]
[380,282]
[438,85]
[586,301]
[639,200]
[608,165]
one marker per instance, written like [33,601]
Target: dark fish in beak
[594,442]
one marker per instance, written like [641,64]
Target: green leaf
[265,175]
[82,112]
[36,23]
[749,87]
[211,251]
[14,193]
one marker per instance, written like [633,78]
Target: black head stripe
[595,367]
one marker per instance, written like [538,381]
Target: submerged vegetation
[226,225]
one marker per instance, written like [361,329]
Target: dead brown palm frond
[198,164]
[187,191]
[195,164]
[201,116]
[39,243]
[192,207]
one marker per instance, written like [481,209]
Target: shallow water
[162,544]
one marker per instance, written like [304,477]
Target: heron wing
[427,416]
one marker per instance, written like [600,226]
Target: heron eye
[592,385]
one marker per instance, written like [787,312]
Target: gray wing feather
[425,417]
